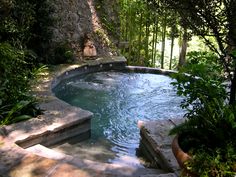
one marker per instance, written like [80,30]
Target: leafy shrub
[16,26]
[210,124]
[62,54]
[26,24]
[218,163]
[41,29]
[204,81]
[17,112]
[14,77]
[204,64]
[24,39]
[15,101]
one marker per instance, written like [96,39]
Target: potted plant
[207,137]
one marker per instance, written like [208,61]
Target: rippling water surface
[118,100]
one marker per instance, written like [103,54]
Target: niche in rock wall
[89,49]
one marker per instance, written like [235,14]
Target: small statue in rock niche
[89,47]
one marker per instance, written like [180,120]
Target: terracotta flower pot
[181,157]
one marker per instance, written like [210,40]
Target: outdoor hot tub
[89,121]
[118,96]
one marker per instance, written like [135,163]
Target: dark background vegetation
[24,39]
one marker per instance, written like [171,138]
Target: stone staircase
[105,169]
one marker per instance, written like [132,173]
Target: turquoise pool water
[118,100]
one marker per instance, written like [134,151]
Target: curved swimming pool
[118,100]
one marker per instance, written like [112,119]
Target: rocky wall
[73,19]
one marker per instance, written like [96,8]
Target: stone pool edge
[55,111]
[59,110]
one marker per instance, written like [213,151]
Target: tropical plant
[204,80]
[62,54]
[210,123]
[208,119]
[26,24]
[16,104]
[24,38]
[220,162]
[17,112]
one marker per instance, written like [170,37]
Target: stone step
[160,175]
[156,143]
[93,166]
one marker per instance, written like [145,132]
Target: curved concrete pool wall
[60,120]
[159,157]
[118,64]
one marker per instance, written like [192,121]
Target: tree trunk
[147,41]
[155,47]
[163,43]
[153,43]
[232,99]
[183,50]
[232,48]
[130,37]
[171,50]
[139,38]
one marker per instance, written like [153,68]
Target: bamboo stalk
[171,50]
[163,42]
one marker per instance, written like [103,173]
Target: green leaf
[234,53]
[19,106]
[21,118]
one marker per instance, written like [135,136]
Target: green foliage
[210,124]
[14,75]
[15,102]
[26,24]
[17,112]
[201,62]
[24,40]
[62,54]
[41,29]
[203,81]
[139,21]
[205,19]
[218,163]
[17,24]
[107,16]
[144,24]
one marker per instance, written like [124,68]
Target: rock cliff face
[73,19]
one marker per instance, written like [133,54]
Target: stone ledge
[100,64]
[156,140]
[161,175]
[58,115]
[142,69]
[106,60]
